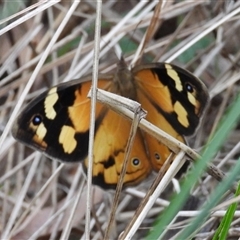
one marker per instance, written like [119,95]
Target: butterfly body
[57,122]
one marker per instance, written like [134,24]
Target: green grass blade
[227,123]
[224,226]
[213,200]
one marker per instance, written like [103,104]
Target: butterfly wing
[109,149]
[158,152]
[57,123]
[175,100]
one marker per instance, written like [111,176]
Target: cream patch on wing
[174,75]
[40,133]
[39,130]
[194,102]
[49,103]
[191,99]
[181,113]
[66,138]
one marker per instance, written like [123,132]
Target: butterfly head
[124,81]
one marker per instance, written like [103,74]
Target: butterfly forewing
[57,122]
[175,93]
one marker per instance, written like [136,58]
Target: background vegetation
[201,36]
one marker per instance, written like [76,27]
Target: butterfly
[57,121]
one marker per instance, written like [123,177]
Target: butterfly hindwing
[109,150]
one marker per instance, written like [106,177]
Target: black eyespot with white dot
[189,87]
[157,156]
[37,120]
[135,161]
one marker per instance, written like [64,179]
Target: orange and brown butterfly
[57,121]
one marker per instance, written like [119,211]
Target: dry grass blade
[138,115]
[147,197]
[151,30]
[93,116]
